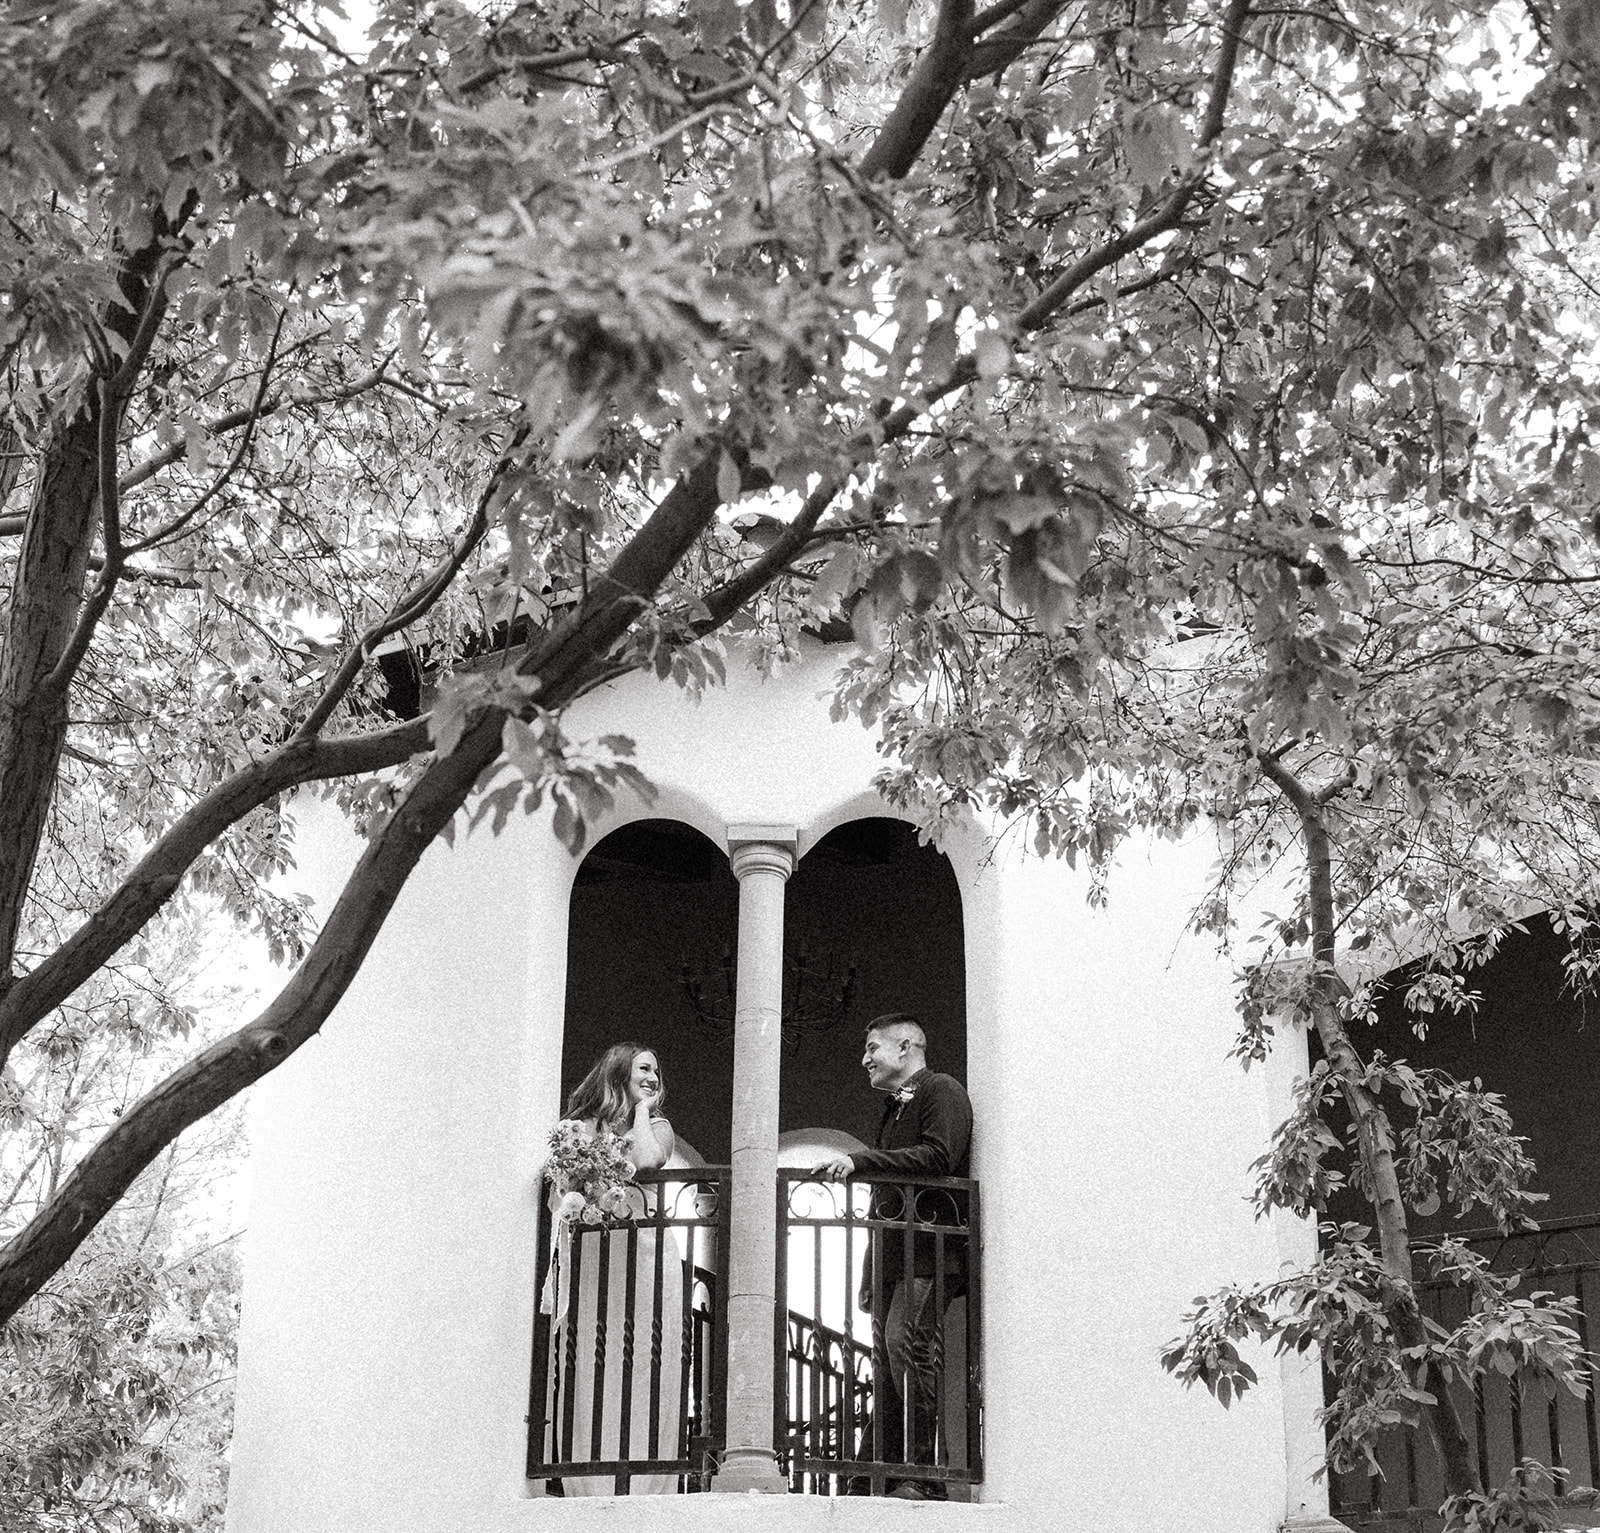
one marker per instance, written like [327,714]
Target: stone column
[763,857]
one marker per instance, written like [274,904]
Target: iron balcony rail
[841,1425]
[1508,1418]
[630,1357]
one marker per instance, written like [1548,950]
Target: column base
[744,1470]
[1318,1522]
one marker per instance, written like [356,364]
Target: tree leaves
[580,782]
[1156,143]
[115,1383]
[728,479]
[992,354]
[1303,468]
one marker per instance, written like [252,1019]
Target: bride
[621,1096]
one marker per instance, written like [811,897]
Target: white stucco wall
[389,1292]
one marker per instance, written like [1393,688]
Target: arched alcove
[1531,1039]
[1537,1044]
[657,897]
[868,896]
[649,898]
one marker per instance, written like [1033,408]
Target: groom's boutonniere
[905,1094]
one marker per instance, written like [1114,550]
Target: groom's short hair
[900,1025]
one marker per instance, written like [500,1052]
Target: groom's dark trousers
[926,1131]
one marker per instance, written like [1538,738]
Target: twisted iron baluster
[597,1414]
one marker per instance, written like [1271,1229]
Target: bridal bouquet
[589,1174]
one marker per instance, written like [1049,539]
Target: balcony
[841,1425]
[630,1360]
[628,1390]
[1508,1417]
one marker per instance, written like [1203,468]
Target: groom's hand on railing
[835,1169]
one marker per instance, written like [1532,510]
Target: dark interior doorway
[1532,1040]
[651,947]
[648,899]
[868,896]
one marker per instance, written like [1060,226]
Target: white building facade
[390,1273]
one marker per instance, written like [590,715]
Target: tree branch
[726,599]
[535,63]
[151,314]
[252,419]
[155,877]
[992,16]
[416,602]
[223,1070]
[939,74]
[232,421]
[336,956]
[1168,216]
[990,55]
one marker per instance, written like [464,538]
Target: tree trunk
[51,567]
[1374,1140]
[47,594]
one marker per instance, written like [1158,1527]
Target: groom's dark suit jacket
[926,1131]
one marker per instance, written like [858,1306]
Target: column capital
[762,849]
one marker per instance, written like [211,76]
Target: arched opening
[872,924]
[630,1340]
[649,899]
[1536,1042]
[867,899]
[655,904]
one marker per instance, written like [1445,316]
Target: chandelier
[813,1002]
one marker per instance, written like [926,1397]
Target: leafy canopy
[1188,406]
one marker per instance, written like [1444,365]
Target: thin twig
[183,519]
[595,53]
[416,602]
[122,380]
[167,456]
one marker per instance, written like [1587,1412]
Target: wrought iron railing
[630,1355]
[1508,1418]
[842,1424]
[827,1382]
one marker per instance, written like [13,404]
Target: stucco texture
[389,1292]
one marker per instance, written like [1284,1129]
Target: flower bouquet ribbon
[589,1175]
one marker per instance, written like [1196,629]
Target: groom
[926,1131]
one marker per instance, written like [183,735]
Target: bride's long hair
[603,1093]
